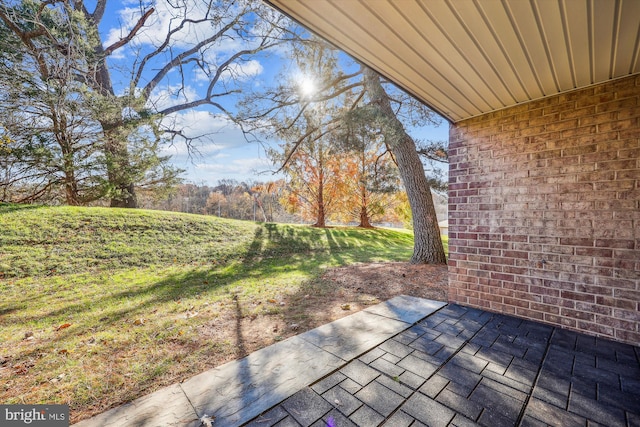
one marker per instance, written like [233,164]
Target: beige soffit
[470,57]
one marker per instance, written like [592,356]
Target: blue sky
[224,153]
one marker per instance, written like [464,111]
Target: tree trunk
[364,215]
[320,220]
[66,147]
[123,193]
[428,248]
[364,218]
[71,188]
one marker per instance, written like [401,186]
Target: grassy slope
[135,286]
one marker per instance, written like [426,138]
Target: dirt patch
[339,292]
[389,279]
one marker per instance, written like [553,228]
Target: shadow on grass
[273,250]
[12,207]
[263,259]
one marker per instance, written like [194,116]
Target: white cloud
[242,164]
[244,70]
[198,22]
[222,153]
[210,128]
[164,18]
[238,71]
[171,96]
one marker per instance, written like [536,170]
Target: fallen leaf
[23,367]
[63,326]
[63,351]
[345,306]
[21,370]
[272,301]
[57,379]
[138,322]
[207,421]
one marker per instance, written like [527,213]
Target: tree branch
[131,35]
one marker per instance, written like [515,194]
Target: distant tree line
[276,201]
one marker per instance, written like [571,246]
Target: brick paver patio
[465,367]
[409,362]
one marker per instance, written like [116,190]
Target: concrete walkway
[238,391]
[410,362]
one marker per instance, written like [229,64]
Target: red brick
[616,303]
[628,336]
[595,290]
[633,314]
[627,294]
[545,308]
[595,328]
[560,320]
[616,323]
[530,314]
[576,241]
[594,308]
[615,243]
[578,296]
[577,314]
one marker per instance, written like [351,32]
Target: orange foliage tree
[314,184]
[370,175]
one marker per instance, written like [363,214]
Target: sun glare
[307,86]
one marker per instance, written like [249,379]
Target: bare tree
[164,43]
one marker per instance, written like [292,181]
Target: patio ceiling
[465,58]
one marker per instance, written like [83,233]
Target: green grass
[143,293]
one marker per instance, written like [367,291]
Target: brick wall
[544,211]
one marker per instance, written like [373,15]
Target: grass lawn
[100,306]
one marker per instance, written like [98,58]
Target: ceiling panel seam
[444,58]
[592,41]
[500,43]
[615,38]
[567,40]
[482,52]
[547,49]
